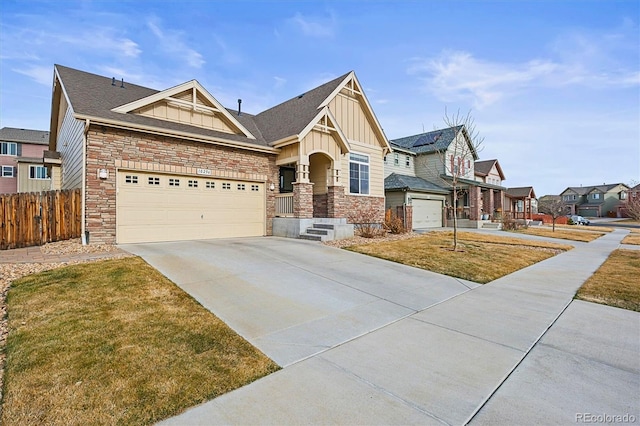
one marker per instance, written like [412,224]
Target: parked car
[579,220]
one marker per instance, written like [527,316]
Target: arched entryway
[320,175]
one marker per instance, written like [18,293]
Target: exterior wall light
[272,187]
[103,174]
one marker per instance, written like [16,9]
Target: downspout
[85,236]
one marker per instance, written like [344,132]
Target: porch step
[319,232]
[491,225]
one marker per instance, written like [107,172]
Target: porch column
[475,202]
[499,201]
[489,208]
[336,202]
[302,200]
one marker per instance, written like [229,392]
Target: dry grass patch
[615,283]
[633,237]
[581,234]
[482,258]
[115,342]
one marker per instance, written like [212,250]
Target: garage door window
[358,173]
[154,181]
[193,183]
[241,187]
[255,188]
[174,182]
[130,179]
[210,185]
[226,185]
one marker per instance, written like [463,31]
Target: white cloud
[279,81]
[595,61]
[41,75]
[171,42]
[314,27]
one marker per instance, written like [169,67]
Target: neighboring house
[521,202]
[416,176]
[22,164]
[596,201]
[176,165]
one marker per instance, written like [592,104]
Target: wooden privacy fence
[32,219]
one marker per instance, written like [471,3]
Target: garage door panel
[160,212]
[427,213]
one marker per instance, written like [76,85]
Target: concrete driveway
[293,298]
[365,341]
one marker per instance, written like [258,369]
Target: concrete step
[317,231]
[324,226]
[312,237]
[491,225]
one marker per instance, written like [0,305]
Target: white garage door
[427,213]
[156,207]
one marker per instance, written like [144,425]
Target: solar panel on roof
[427,139]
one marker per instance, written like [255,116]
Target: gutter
[83,229]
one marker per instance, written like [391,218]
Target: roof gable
[291,117]
[483,168]
[521,192]
[191,96]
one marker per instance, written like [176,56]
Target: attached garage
[427,213]
[155,207]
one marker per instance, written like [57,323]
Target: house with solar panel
[418,176]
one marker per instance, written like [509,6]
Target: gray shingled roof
[412,183]
[582,190]
[291,117]
[521,192]
[437,140]
[95,96]
[11,134]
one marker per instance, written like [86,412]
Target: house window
[396,159]
[154,181]
[38,172]
[623,195]
[193,183]
[359,173]
[9,148]
[385,159]
[174,182]
[226,185]
[407,161]
[596,196]
[255,188]
[210,185]
[130,179]
[7,171]
[241,187]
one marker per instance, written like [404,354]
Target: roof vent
[239,103]
[113,81]
[122,83]
[299,97]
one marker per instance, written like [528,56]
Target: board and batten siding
[69,145]
[352,120]
[207,120]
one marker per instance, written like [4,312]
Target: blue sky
[553,86]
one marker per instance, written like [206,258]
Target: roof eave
[175,133]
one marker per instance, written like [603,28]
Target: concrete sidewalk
[514,351]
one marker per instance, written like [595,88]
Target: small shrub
[570,222]
[511,224]
[365,224]
[393,223]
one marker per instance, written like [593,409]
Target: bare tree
[455,160]
[632,205]
[554,207]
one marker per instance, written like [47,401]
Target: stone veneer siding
[363,207]
[114,149]
[320,205]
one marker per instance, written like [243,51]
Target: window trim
[360,164]
[13,172]
[8,144]
[35,168]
